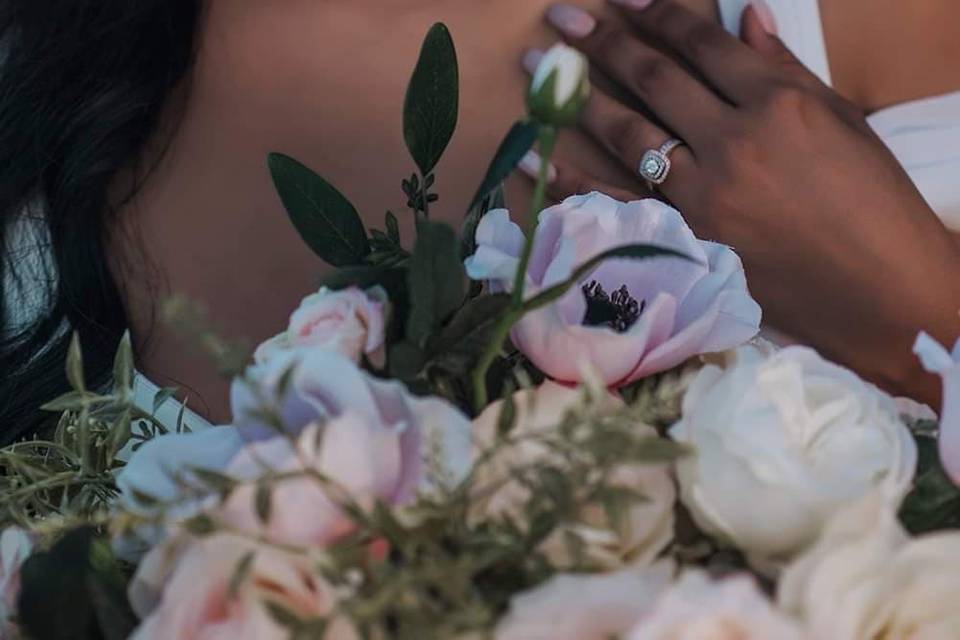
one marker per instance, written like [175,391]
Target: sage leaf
[515,145]
[436,280]
[325,219]
[432,102]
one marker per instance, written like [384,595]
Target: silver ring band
[655,164]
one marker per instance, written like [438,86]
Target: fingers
[683,103]
[628,135]
[758,37]
[565,180]
[720,58]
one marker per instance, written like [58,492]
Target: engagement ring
[655,164]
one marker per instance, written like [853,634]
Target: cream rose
[866,579]
[349,321]
[782,443]
[585,607]
[640,536]
[697,608]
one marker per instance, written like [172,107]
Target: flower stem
[548,141]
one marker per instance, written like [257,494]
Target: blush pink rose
[936,359]
[349,321]
[628,319]
[198,604]
[366,461]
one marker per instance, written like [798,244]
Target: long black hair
[83,89]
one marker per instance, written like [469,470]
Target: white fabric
[924,135]
[168,412]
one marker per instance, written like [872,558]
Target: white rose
[697,608]
[560,86]
[585,607]
[648,526]
[782,443]
[866,579]
[349,321]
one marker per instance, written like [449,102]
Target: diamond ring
[655,164]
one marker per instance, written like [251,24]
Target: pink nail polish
[531,60]
[633,4]
[571,21]
[530,165]
[765,16]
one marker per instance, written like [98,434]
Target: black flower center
[618,311]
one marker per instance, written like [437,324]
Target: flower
[156,482]
[16,545]
[560,86]
[314,394]
[585,607]
[936,359]
[202,599]
[635,539]
[866,579]
[628,319]
[697,608]
[356,459]
[784,442]
[349,321]
[307,385]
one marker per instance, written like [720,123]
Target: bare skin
[324,82]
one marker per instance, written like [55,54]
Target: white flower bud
[560,87]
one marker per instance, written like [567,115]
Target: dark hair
[83,86]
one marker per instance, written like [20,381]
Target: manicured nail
[530,165]
[571,21]
[765,15]
[531,60]
[633,4]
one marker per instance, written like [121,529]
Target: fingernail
[530,165]
[531,60]
[571,21]
[765,15]
[633,4]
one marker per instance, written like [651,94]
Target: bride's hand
[840,248]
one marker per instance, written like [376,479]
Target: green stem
[548,141]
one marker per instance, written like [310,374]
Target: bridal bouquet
[549,424]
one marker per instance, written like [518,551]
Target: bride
[133,135]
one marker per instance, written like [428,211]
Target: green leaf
[325,219]
[75,364]
[436,279]
[515,145]
[365,277]
[71,401]
[240,573]
[123,364]
[74,590]
[507,419]
[470,329]
[934,502]
[406,361]
[263,502]
[432,103]
[393,228]
[161,397]
[282,616]
[631,251]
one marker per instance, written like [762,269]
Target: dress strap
[799,25]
